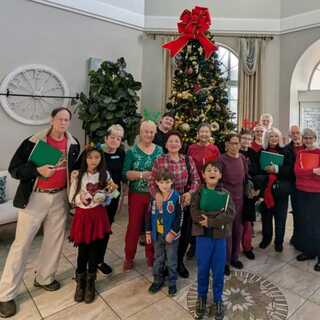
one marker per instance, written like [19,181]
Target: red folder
[309,161]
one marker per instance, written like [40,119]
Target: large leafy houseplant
[112,99]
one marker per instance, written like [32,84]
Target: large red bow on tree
[192,26]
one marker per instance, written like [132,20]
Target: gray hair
[117,129]
[266,115]
[266,137]
[148,123]
[309,132]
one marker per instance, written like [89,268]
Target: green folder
[43,154]
[213,200]
[267,158]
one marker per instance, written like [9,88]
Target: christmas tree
[198,89]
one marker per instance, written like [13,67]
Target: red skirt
[89,225]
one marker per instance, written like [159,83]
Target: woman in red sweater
[258,133]
[204,150]
[307,170]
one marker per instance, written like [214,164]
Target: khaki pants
[51,210]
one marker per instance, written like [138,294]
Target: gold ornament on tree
[215,126]
[185,127]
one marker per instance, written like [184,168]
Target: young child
[211,230]
[90,222]
[163,228]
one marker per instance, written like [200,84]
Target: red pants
[247,236]
[138,204]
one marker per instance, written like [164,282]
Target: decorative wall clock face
[33,80]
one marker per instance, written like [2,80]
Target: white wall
[34,33]
[294,7]
[226,8]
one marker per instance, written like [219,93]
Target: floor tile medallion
[246,296]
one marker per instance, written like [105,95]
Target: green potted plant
[112,99]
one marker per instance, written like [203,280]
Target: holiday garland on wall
[199,90]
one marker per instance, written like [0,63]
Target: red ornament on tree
[196,88]
[190,71]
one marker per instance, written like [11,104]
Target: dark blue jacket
[172,216]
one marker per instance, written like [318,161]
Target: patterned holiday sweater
[137,160]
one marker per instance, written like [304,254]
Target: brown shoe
[53,286]
[7,309]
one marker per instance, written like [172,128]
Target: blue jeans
[165,253]
[211,254]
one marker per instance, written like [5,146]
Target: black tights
[111,210]
[185,234]
[88,257]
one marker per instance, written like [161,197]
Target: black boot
[81,286]
[201,307]
[219,313]
[7,309]
[182,270]
[90,290]
[191,252]
[317,265]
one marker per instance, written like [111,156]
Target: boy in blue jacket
[163,229]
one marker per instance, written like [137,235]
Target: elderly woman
[307,170]
[137,170]
[278,187]
[234,175]
[186,182]
[114,157]
[258,132]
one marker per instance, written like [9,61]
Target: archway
[300,79]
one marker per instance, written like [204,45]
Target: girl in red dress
[90,223]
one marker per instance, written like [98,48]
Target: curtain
[168,66]
[250,79]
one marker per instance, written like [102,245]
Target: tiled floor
[125,295]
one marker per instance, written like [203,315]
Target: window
[230,69]
[315,79]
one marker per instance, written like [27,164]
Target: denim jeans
[165,254]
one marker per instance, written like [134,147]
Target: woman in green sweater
[137,170]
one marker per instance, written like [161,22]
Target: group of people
[166,204]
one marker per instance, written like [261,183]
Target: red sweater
[202,154]
[306,180]
[255,146]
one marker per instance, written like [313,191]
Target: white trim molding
[99,10]
[138,21]
[301,21]
[219,25]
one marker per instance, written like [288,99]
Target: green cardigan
[138,160]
